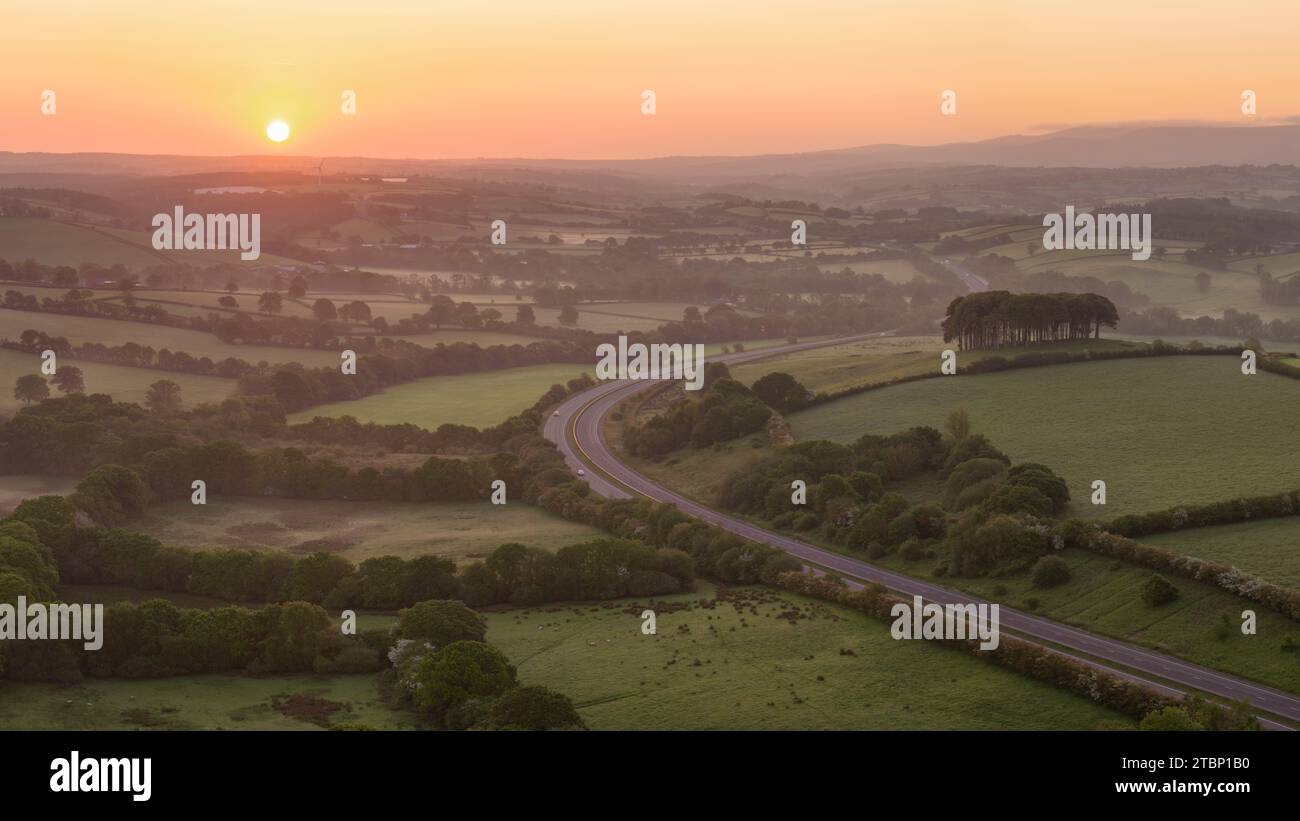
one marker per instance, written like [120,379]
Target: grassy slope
[876,361]
[722,667]
[1144,426]
[478,399]
[360,530]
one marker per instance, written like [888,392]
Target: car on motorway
[557,413]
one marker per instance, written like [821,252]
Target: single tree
[270,302]
[69,379]
[957,425]
[324,310]
[31,388]
[163,397]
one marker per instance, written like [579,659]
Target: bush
[1158,591]
[912,551]
[969,473]
[459,673]
[440,623]
[652,583]
[535,708]
[1051,571]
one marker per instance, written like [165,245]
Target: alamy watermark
[208,232]
[77,774]
[655,361]
[946,621]
[80,622]
[1093,232]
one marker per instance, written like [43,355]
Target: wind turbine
[320,170]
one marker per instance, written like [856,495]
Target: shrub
[1158,591]
[1051,571]
[535,708]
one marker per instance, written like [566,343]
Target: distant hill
[1157,146]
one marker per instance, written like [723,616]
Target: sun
[277,131]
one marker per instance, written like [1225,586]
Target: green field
[123,383]
[758,659]
[360,530]
[16,487]
[478,399]
[1160,432]
[213,702]
[1268,548]
[875,361]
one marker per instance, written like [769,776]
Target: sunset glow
[461,80]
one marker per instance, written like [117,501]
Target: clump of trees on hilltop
[999,319]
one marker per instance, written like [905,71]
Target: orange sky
[559,78]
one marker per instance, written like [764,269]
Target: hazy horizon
[463,82]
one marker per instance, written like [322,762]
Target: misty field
[477,399]
[751,658]
[14,488]
[124,384]
[1159,432]
[359,530]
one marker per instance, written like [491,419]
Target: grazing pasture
[752,658]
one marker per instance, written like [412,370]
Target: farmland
[79,329]
[755,659]
[478,399]
[1144,426]
[124,384]
[359,530]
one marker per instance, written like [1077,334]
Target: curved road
[577,431]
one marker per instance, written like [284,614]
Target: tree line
[998,319]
